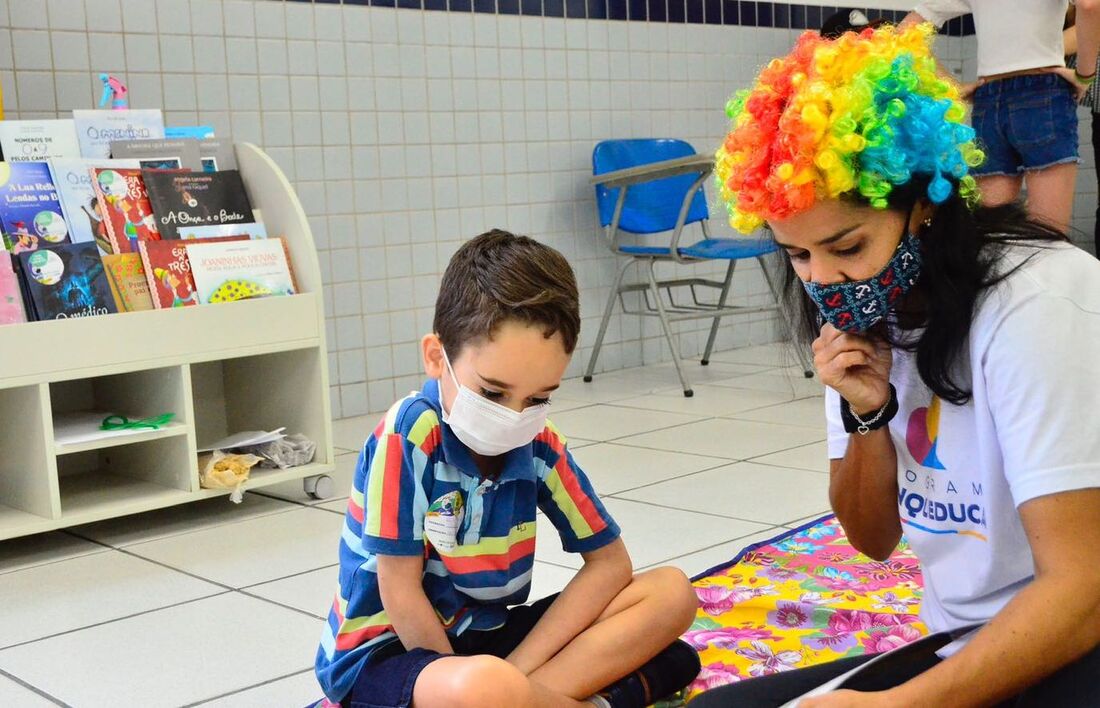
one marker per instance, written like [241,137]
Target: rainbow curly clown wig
[855,116]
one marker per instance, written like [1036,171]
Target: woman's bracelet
[855,424]
[1084,79]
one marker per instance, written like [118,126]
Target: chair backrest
[650,207]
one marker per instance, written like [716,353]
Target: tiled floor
[219,605]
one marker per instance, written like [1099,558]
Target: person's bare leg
[998,190]
[648,615]
[483,682]
[1050,194]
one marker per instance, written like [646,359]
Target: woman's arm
[863,486]
[605,573]
[1047,625]
[410,612]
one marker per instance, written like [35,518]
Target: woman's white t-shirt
[1013,35]
[1032,428]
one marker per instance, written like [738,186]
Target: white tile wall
[407,132]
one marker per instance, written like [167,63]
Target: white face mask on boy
[489,428]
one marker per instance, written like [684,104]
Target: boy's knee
[488,682]
[677,596]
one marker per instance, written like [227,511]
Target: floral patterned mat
[800,599]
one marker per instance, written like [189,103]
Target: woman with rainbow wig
[958,346]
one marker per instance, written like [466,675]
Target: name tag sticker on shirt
[443,520]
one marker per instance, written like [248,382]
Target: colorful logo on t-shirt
[922,435]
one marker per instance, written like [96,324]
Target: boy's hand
[856,366]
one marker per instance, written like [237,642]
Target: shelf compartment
[103,483]
[78,406]
[28,476]
[264,392]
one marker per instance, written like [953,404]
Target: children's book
[239,270]
[126,276]
[11,296]
[79,203]
[217,155]
[160,154]
[66,281]
[95,129]
[197,199]
[250,229]
[30,214]
[125,206]
[37,140]
[199,132]
[168,271]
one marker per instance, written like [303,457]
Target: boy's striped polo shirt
[417,491]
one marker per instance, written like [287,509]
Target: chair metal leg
[718,320]
[807,366]
[607,310]
[667,326]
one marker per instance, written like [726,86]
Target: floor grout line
[694,511]
[249,688]
[34,689]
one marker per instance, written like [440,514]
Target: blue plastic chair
[651,186]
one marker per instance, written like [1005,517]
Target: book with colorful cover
[79,203]
[67,281]
[125,205]
[95,129]
[30,214]
[168,271]
[197,199]
[217,155]
[37,140]
[160,154]
[250,229]
[239,270]
[129,286]
[11,295]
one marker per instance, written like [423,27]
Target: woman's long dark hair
[961,250]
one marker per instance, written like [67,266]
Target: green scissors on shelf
[121,422]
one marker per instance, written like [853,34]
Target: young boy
[439,539]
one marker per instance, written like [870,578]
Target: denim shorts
[389,679]
[1025,123]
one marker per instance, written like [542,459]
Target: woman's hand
[849,699]
[966,90]
[1070,76]
[856,366]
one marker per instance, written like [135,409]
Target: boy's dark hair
[499,276]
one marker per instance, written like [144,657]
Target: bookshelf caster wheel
[689,393]
[705,362]
[588,379]
[808,374]
[319,487]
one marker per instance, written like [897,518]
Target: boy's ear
[431,351]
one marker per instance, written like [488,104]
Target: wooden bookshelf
[250,365]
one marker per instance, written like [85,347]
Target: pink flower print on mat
[715,675]
[791,615]
[766,661]
[887,573]
[716,600]
[726,637]
[837,579]
[891,638]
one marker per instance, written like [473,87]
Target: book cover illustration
[183,199]
[67,281]
[249,229]
[126,276]
[79,203]
[239,270]
[30,214]
[11,297]
[168,271]
[217,155]
[37,140]
[160,154]
[128,216]
[96,129]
